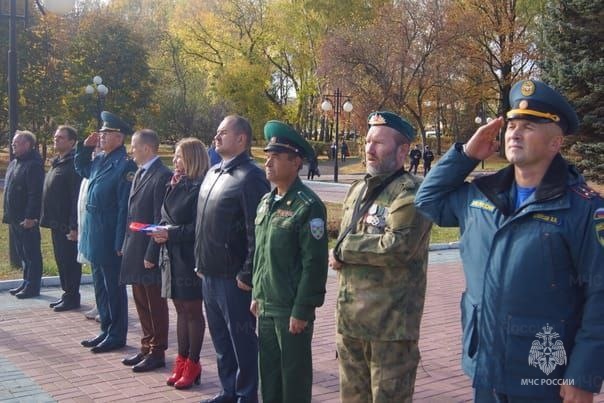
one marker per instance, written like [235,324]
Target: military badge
[376,218]
[317,228]
[523,104]
[130,176]
[377,119]
[528,88]
[284,213]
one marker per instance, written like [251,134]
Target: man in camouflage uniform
[381,256]
[290,269]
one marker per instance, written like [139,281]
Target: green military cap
[113,123]
[282,137]
[392,120]
[536,101]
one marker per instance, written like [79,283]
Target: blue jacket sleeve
[585,365]
[123,192]
[83,159]
[443,195]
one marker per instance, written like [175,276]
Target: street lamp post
[327,106]
[60,7]
[101,91]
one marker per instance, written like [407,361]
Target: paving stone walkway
[41,359]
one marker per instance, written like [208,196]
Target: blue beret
[282,137]
[536,101]
[393,121]
[113,123]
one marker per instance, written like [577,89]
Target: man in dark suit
[59,213]
[110,176]
[22,199]
[140,252]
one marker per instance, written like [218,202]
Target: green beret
[392,120]
[536,101]
[113,123]
[282,137]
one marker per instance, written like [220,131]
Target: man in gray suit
[140,253]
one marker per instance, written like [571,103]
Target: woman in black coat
[179,280]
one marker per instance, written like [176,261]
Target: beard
[385,165]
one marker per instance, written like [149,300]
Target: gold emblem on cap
[528,88]
[377,119]
[523,104]
[273,140]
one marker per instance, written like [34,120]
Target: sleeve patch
[317,228]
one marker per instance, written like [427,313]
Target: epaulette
[307,199]
[585,191]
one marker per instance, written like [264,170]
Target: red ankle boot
[191,375]
[179,367]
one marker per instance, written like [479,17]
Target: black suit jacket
[144,206]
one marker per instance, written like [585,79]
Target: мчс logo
[548,353]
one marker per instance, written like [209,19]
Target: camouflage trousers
[377,371]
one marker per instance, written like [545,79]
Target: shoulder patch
[585,191]
[306,198]
[317,228]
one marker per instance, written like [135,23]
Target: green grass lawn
[8,272]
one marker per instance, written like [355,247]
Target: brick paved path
[41,358]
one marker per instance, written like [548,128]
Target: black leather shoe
[66,306]
[57,302]
[14,291]
[27,293]
[150,363]
[106,346]
[94,341]
[221,398]
[133,360]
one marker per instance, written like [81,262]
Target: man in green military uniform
[290,269]
[381,256]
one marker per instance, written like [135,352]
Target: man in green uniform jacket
[290,269]
[381,256]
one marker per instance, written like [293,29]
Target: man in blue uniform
[532,246]
[110,176]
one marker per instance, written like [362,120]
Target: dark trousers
[70,271]
[233,331]
[413,166]
[111,302]
[153,313]
[27,246]
[285,361]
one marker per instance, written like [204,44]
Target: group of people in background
[416,155]
[257,258]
